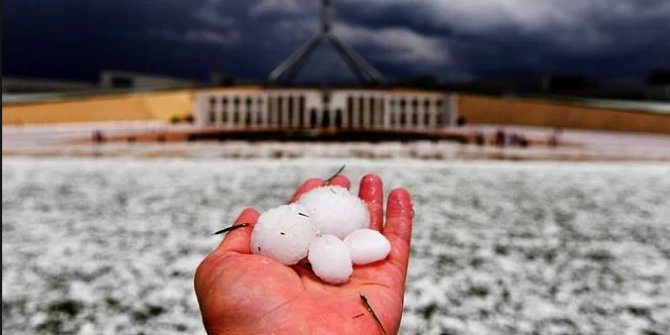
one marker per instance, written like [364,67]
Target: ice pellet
[284,233]
[336,211]
[330,259]
[367,246]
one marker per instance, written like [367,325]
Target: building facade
[329,108]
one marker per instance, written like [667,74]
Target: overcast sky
[610,40]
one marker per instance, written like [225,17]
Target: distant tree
[569,83]
[659,77]
[425,81]
[461,121]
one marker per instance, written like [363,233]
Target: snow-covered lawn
[109,246]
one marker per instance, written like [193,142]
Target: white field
[109,246]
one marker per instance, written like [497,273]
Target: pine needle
[374,315]
[231,228]
[327,182]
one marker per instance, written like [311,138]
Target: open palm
[244,293]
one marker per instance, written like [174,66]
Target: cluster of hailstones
[329,225]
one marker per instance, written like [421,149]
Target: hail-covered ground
[109,246]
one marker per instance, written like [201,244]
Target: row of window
[299,100]
[290,110]
[407,118]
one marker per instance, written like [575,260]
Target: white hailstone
[367,246]
[335,211]
[330,259]
[284,233]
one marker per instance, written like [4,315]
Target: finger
[398,228]
[340,180]
[238,240]
[371,191]
[307,186]
[399,215]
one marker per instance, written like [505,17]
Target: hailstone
[330,259]
[284,233]
[367,246]
[335,211]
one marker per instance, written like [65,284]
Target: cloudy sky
[609,40]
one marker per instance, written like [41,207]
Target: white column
[263,110]
[305,113]
[253,110]
[268,104]
[295,111]
[199,110]
[208,110]
[387,111]
[237,111]
[393,113]
[397,114]
[374,111]
[250,109]
[285,116]
[274,110]
[366,108]
[424,115]
[432,110]
[228,110]
[345,111]
[453,109]
[331,120]
[379,111]
[406,114]
[356,110]
[218,110]
[278,110]
[244,109]
[259,107]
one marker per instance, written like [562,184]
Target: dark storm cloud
[605,39]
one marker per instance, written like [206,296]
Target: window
[212,110]
[248,109]
[325,120]
[313,118]
[247,119]
[122,82]
[301,111]
[271,110]
[291,111]
[338,119]
[280,110]
[380,111]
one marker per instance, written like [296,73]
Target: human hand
[244,293]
